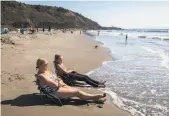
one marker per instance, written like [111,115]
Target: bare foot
[102,95]
[102,86]
[102,82]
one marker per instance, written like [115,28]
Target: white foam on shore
[135,108]
[162,54]
[103,63]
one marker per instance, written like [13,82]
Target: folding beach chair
[48,96]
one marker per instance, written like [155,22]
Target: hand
[59,79]
[69,71]
[61,83]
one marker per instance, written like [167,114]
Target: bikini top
[48,88]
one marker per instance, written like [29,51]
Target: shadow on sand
[35,99]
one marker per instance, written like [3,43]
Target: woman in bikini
[51,83]
[73,75]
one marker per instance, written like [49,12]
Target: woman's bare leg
[73,92]
[86,96]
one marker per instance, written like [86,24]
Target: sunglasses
[45,64]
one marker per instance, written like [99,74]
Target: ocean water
[138,75]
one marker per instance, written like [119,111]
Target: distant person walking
[126,39]
[98,32]
[22,31]
[49,29]
[6,30]
[43,29]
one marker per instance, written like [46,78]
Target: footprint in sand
[16,77]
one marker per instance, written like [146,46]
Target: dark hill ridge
[17,14]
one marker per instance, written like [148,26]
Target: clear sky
[136,14]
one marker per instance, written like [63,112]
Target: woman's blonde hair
[40,62]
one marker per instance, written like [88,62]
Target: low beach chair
[48,96]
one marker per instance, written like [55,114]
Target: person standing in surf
[126,39]
[98,32]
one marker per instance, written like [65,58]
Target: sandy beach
[18,69]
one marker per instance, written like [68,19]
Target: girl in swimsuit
[51,83]
[58,62]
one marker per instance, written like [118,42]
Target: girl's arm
[62,70]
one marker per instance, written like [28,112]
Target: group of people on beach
[52,83]
[33,30]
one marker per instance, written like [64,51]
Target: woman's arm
[47,81]
[63,70]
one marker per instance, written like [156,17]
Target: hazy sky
[137,14]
